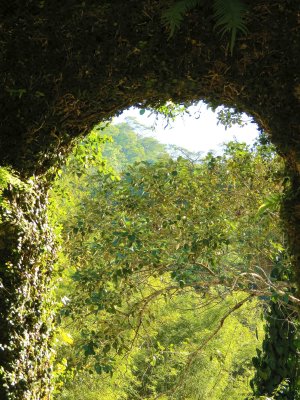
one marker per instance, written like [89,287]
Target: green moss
[26,257]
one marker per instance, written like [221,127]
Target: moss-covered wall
[67,65]
[26,315]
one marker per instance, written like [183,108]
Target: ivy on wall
[26,255]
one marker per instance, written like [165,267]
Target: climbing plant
[26,317]
[277,364]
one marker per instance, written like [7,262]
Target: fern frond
[229,15]
[172,17]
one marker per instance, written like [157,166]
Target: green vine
[26,257]
[277,374]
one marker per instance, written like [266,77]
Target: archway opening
[160,255]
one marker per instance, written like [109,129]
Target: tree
[171,220]
[129,145]
[200,215]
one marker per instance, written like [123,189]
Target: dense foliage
[159,258]
[128,146]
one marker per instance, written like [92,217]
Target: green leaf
[89,349]
[66,337]
[173,16]
[98,368]
[271,203]
[229,15]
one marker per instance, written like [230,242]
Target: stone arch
[68,66]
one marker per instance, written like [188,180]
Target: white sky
[198,132]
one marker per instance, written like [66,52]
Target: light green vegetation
[164,268]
